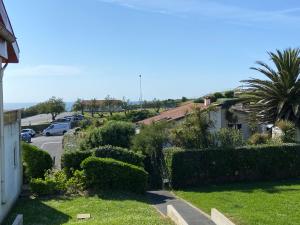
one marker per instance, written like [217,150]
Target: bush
[40,187]
[110,174]
[258,139]
[288,131]
[36,161]
[229,94]
[116,133]
[228,137]
[70,161]
[77,183]
[120,154]
[256,163]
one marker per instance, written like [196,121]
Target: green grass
[274,203]
[108,209]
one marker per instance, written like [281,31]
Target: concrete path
[160,200]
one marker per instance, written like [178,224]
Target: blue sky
[92,48]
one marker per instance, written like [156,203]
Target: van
[57,128]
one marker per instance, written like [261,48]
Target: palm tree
[277,97]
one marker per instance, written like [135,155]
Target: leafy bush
[229,94]
[218,95]
[288,131]
[258,139]
[120,154]
[36,161]
[255,163]
[54,183]
[116,133]
[110,174]
[228,137]
[199,100]
[40,187]
[70,161]
[77,183]
[150,141]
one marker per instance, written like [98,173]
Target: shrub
[199,100]
[228,137]
[229,94]
[255,163]
[116,133]
[110,174]
[120,154]
[36,161]
[218,95]
[258,139]
[77,183]
[39,186]
[70,161]
[288,131]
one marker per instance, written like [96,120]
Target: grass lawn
[272,203]
[108,209]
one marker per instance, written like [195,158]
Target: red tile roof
[173,114]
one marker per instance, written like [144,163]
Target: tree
[277,97]
[109,104]
[78,106]
[194,132]
[157,104]
[125,105]
[54,106]
[93,106]
[150,141]
[229,94]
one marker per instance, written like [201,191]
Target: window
[235,126]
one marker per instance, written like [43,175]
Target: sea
[24,105]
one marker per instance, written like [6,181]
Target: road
[52,144]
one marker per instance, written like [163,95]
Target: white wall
[13,167]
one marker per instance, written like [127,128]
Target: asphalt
[51,144]
[161,199]
[43,118]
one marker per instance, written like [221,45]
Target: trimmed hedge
[36,161]
[110,174]
[121,154]
[70,161]
[255,163]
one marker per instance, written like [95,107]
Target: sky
[94,48]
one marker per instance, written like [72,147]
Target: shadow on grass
[249,187]
[36,212]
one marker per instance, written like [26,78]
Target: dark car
[26,137]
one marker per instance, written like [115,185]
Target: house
[176,114]
[10,151]
[225,113]
[111,105]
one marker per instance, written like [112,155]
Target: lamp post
[141,93]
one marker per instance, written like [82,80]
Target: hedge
[36,161]
[70,161]
[195,168]
[121,154]
[110,174]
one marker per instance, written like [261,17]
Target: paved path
[160,200]
[51,144]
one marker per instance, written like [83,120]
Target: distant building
[10,151]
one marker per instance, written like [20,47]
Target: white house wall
[13,168]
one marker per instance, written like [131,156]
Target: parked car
[30,131]
[26,137]
[56,128]
[62,120]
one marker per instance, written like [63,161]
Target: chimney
[207,101]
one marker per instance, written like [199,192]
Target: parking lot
[51,144]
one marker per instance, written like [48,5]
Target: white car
[56,128]
[30,131]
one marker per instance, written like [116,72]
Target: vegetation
[195,168]
[36,161]
[110,174]
[194,133]
[288,129]
[151,141]
[267,203]
[259,139]
[116,133]
[228,137]
[121,154]
[277,97]
[78,106]
[105,209]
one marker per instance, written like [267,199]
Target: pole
[141,93]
